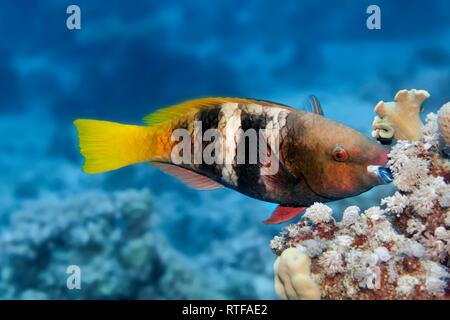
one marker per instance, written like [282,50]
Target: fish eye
[339,154]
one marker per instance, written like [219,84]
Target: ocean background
[136,233]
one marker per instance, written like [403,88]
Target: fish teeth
[382,172]
[373,169]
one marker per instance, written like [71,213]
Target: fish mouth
[382,172]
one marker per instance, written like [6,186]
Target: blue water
[130,58]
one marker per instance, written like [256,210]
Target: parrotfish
[317,159]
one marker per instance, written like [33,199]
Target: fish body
[296,158]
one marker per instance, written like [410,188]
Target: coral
[231,250]
[400,119]
[444,123]
[241,262]
[318,212]
[293,277]
[111,237]
[398,250]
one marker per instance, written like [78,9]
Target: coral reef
[421,206]
[242,261]
[111,237]
[444,126]
[399,119]
[293,276]
[398,250]
[231,251]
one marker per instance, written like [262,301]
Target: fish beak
[382,172]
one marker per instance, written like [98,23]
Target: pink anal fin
[283,214]
[191,178]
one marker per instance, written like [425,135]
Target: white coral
[332,262]
[360,227]
[444,199]
[344,241]
[423,199]
[404,148]
[430,132]
[392,271]
[435,248]
[374,213]
[412,248]
[447,218]
[364,268]
[318,213]
[442,234]
[276,243]
[313,247]
[350,216]
[436,278]
[414,227]
[384,232]
[408,171]
[383,254]
[395,203]
[406,284]
[443,190]
[293,230]
[373,276]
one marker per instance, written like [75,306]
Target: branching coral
[111,237]
[424,193]
[399,119]
[398,250]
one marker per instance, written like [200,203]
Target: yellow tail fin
[108,146]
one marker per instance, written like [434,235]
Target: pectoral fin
[283,214]
[274,174]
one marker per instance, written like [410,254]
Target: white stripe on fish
[229,124]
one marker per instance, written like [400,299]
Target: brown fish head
[335,160]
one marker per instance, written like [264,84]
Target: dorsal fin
[186,107]
[191,178]
[313,105]
[192,106]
